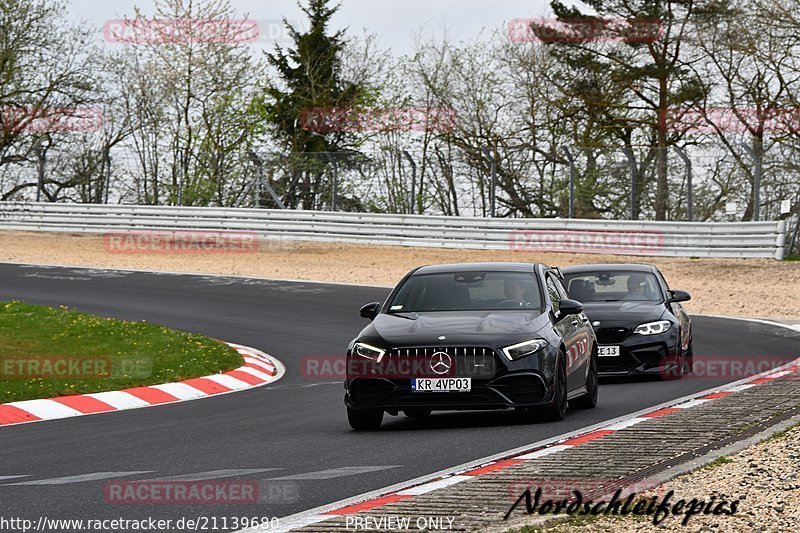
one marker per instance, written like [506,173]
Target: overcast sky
[394,21]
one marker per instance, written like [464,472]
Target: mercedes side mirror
[678,296]
[370,311]
[567,308]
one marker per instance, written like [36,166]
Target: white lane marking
[335,472]
[260,363]
[46,409]
[255,373]
[228,381]
[779,374]
[739,388]
[545,452]
[12,477]
[182,391]
[79,478]
[690,404]
[119,400]
[434,485]
[624,424]
[215,474]
[255,358]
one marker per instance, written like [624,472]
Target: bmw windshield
[613,286]
[468,291]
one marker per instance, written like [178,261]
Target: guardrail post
[780,242]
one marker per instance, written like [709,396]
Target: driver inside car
[637,288]
[515,292]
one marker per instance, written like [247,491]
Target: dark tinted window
[613,286]
[461,291]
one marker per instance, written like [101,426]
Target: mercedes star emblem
[441,363]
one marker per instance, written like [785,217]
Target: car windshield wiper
[613,300]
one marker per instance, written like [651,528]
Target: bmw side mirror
[370,311]
[567,308]
[678,296]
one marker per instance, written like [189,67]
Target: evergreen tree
[310,82]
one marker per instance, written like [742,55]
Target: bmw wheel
[676,370]
[689,359]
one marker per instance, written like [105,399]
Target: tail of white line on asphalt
[334,473]
[197,476]
[79,478]
[215,474]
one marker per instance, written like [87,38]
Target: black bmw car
[472,336]
[641,326]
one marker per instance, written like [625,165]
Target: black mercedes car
[640,324]
[472,336]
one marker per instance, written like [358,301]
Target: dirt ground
[736,287]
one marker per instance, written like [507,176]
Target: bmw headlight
[370,352]
[653,328]
[524,349]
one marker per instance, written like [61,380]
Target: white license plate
[608,351]
[441,384]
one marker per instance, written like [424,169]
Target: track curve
[296,427]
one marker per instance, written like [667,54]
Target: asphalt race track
[294,432]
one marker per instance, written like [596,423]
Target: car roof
[472,267]
[609,267]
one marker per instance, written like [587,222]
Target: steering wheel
[502,303]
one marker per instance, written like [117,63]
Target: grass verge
[47,352]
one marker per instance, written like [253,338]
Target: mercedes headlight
[370,352]
[653,328]
[524,349]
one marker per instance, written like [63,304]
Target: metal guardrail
[688,239]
